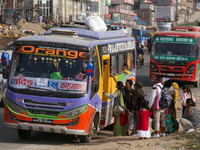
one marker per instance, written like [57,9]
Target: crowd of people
[136,109]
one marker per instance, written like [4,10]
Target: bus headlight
[153,67]
[190,69]
[14,107]
[75,112]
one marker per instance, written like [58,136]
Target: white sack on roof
[95,23]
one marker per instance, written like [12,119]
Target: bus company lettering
[22,81]
[117,47]
[73,86]
[166,39]
[73,54]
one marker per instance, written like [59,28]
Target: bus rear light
[190,69]
[14,106]
[153,67]
[75,112]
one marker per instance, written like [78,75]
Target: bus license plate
[171,74]
[39,120]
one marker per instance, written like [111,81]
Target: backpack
[144,98]
[166,98]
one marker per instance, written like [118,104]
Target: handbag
[155,105]
[118,109]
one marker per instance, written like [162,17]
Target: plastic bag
[95,23]
[131,124]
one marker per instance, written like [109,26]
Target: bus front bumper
[44,128]
[174,76]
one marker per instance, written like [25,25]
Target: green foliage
[189,24]
[47,27]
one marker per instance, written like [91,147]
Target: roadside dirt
[108,142]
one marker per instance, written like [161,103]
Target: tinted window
[114,64]
[120,63]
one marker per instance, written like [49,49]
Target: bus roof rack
[64,32]
[92,34]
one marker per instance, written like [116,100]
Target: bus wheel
[87,138]
[24,134]
[196,84]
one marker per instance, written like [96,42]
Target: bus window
[130,60]
[113,64]
[95,78]
[120,63]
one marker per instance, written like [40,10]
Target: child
[187,94]
[143,125]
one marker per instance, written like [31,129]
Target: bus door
[107,105]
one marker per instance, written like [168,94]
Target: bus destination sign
[175,40]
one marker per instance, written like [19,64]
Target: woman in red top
[143,125]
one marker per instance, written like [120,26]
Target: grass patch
[189,24]
[192,140]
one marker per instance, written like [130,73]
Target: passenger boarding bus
[175,55]
[142,35]
[56,81]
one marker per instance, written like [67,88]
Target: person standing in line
[191,117]
[138,88]
[120,121]
[158,115]
[187,94]
[143,125]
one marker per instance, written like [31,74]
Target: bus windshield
[36,68]
[177,49]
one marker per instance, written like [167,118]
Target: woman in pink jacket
[187,94]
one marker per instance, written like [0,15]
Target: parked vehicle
[175,55]
[3,82]
[142,36]
[152,29]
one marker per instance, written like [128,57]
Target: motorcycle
[139,61]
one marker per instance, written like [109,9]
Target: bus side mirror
[5,73]
[89,69]
[5,59]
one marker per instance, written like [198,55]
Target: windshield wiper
[39,89]
[66,90]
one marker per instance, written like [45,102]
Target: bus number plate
[39,120]
[171,74]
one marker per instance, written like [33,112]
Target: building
[183,8]
[70,10]
[189,7]
[146,13]
[122,12]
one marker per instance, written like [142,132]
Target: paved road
[9,138]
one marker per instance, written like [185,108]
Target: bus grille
[48,113]
[43,105]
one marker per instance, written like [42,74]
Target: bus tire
[2,103]
[87,138]
[24,134]
[196,84]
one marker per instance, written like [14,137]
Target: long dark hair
[121,87]
[191,103]
[188,89]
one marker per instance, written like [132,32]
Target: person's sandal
[141,138]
